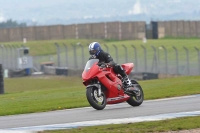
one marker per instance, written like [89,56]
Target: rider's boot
[126,83]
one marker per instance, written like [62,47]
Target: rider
[97,53]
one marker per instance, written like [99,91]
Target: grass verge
[142,127]
[38,94]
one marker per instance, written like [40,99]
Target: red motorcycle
[103,86]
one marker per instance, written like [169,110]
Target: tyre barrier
[51,70]
[55,70]
[62,71]
[143,75]
[43,64]
[17,73]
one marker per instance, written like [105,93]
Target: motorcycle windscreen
[90,69]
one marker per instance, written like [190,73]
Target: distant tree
[11,24]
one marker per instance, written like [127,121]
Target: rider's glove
[108,65]
[103,65]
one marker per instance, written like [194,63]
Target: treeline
[12,24]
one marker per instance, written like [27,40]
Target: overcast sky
[43,10]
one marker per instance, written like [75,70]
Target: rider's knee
[118,68]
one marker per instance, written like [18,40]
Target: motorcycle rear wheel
[136,99]
[95,101]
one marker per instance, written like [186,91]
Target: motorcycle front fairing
[108,78]
[115,93]
[91,69]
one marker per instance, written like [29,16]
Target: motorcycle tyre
[91,100]
[131,101]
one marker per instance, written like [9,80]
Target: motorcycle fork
[98,85]
[99,89]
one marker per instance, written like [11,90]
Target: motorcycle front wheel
[137,97]
[96,101]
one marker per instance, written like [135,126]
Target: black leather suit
[106,58]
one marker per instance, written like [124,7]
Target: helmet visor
[92,52]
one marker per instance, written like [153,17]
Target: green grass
[28,95]
[180,37]
[38,94]
[48,47]
[142,127]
